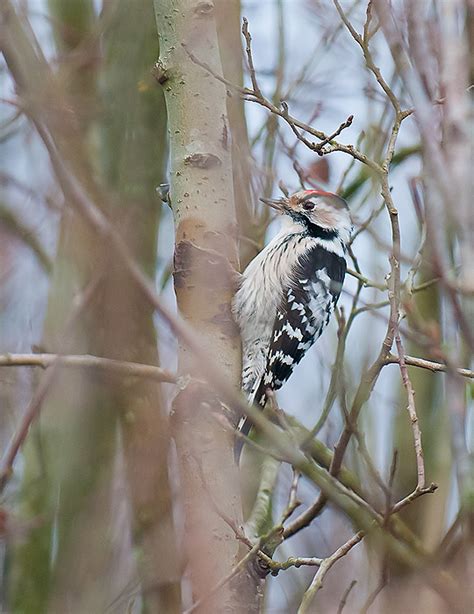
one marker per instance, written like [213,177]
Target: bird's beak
[275,203]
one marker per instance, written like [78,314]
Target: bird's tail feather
[245,424]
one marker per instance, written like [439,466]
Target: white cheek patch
[325,216]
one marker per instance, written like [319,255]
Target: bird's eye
[308,206]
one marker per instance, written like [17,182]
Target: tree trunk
[135,156]
[230,45]
[203,206]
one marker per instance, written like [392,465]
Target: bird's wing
[304,311]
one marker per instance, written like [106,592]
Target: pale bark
[203,206]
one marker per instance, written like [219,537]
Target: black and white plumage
[288,291]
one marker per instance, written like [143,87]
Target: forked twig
[325,566]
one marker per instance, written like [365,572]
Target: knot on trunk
[203,160]
[204,8]
[200,266]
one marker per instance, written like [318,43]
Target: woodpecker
[288,291]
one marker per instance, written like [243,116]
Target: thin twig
[293,501]
[256,96]
[367,283]
[376,592]
[422,363]
[248,51]
[343,601]
[418,492]
[363,43]
[420,489]
[325,566]
[336,133]
[411,408]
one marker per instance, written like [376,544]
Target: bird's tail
[244,428]
[258,398]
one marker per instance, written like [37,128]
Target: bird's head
[317,208]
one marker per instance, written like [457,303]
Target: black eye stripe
[308,206]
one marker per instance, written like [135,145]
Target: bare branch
[422,363]
[248,51]
[87,361]
[363,42]
[255,95]
[325,566]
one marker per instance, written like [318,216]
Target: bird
[287,293]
